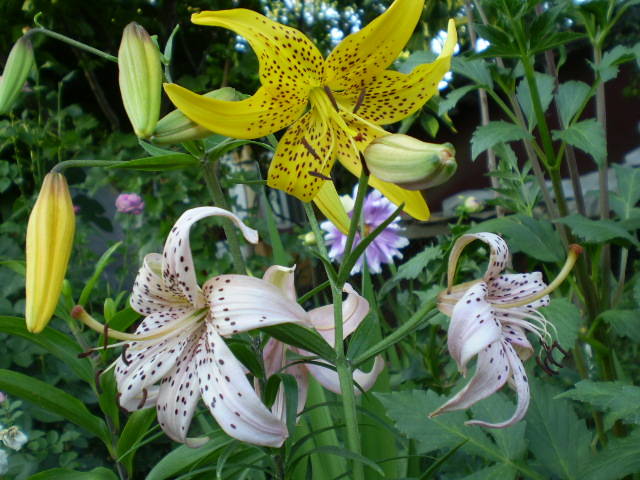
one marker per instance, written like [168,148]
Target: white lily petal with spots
[498,256]
[328,377]
[230,397]
[283,278]
[238,303]
[473,326]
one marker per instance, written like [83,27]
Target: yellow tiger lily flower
[333,107]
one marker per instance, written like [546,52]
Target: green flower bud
[175,127]
[15,73]
[409,162]
[140,79]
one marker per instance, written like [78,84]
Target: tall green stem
[72,42]
[233,240]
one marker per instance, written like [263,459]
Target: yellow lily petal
[364,54]
[303,157]
[289,63]
[328,202]
[414,203]
[392,96]
[253,117]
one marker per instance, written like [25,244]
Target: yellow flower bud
[175,127]
[140,79]
[409,162]
[49,241]
[15,73]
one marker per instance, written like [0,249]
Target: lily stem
[72,42]
[215,190]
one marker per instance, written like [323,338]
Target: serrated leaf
[571,95]
[596,231]
[174,161]
[54,400]
[486,136]
[536,238]
[588,136]
[628,192]
[545,84]
[557,437]
[453,98]
[608,68]
[510,440]
[624,322]
[503,472]
[54,342]
[412,267]
[415,59]
[618,400]
[475,69]
[566,319]
[620,458]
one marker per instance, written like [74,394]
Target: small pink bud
[129,203]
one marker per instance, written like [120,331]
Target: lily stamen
[360,100]
[313,173]
[331,97]
[574,251]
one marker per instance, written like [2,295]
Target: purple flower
[129,203]
[376,209]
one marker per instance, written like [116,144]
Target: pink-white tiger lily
[489,319]
[177,355]
[354,310]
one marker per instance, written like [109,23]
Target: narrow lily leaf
[280,255]
[100,266]
[441,461]
[99,473]
[54,400]
[15,265]
[55,342]
[154,150]
[301,337]
[108,397]
[174,161]
[134,431]
[341,452]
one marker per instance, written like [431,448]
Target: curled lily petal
[519,380]
[499,254]
[354,309]
[289,61]
[473,326]
[328,202]
[492,372]
[328,377]
[230,397]
[283,278]
[515,286]
[363,54]
[257,116]
[238,303]
[177,262]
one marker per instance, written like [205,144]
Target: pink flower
[129,203]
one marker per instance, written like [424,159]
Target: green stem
[315,228]
[59,167]
[72,42]
[213,185]
[398,334]
[357,210]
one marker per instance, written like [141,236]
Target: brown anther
[545,367]
[144,398]
[97,380]
[85,354]
[329,93]
[319,175]
[360,101]
[77,311]
[562,350]
[310,149]
[124,355]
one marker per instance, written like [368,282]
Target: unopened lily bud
[140,79]
[409,162]
[49,241]
[308,239]
[15,73]
[175,127]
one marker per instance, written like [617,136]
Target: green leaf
[620,458]
[413,267]
[628,194]
[453,98]
[100,266]
[134,431]
[173,161]
[99,473]
[536,238]
[618,400]
[475,69]
[503,472]
[54,400]
[596,231]
[154,150]
[566,317]
[571,95]
[545,84]
[416,59]
[588,136]
[624,322]
[487,136]
[301,337]
[184,458]
[557,437]
[54,342]
[608,68]
[340,452]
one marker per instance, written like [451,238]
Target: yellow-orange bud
[140,78]
[50,233]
